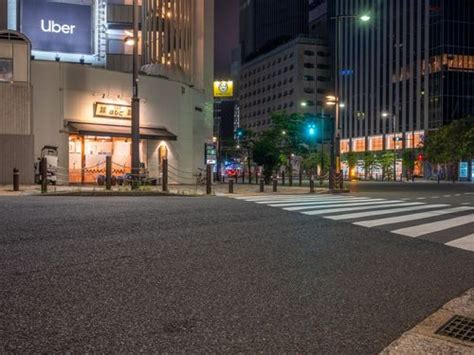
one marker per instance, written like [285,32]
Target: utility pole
[135,102]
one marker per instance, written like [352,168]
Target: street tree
[267,154]
[370,160]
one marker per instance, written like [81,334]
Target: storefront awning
[101,130]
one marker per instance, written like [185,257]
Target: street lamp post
[135,102]
[336,149]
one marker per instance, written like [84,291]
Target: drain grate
[458,327]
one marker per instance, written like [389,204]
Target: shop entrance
[87,157]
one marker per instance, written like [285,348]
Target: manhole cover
[458,327]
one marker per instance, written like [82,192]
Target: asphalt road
[213,274]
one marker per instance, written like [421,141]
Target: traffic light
[312,130]
[240,133]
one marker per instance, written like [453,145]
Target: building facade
[407,71]
[293,78]
[265,24]
[318,19]
[80,88]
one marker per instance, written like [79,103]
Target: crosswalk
[417,219]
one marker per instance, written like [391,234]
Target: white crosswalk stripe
[466,243]
[362,211]
[411,217]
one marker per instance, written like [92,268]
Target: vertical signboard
[57,27]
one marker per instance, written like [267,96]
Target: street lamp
[133,41]
[334,100]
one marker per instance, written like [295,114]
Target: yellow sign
[223,88]
[113,111]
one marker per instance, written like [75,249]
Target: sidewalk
[187,190]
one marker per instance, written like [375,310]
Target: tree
[385,159]
[451,144]
[351,159]
[247,145]
[370,161]
[408,159]
[267,154]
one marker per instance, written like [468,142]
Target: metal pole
[135,102]
[262,185]
[335,159]
[394,150]
[231,186]
[275,184]
[164,177]
[209,179]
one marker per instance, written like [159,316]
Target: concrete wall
[65,91]
[3,14]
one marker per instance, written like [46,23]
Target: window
[323,66]
[323,78]
[323,54]
[308,78]
[309,65]
[309,53]
[309,90]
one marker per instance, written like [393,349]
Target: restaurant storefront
[90,144]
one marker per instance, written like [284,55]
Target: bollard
[283,178]
[275,184]
[16,179]
[311,185]
[231,186]
[108,172]
[44,175]
[262,185]
[164,178]
[250,176]
[301,177]
[243,177]
[208,179]
[256,176]
[290,179]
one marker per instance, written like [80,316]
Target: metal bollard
[262,185]
[208,179]
[300,177]
[256,176]
[275,184]
[231,186]
[164,178]
[44,175]
[108,172]
[311,186]
[283,178]
[16,179]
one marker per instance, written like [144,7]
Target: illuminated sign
[223,88]
[210,151]
[112,111]
[57,27]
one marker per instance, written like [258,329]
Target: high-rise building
[266,24]
[292,78]
[318,19]
[408,70]
[64,82]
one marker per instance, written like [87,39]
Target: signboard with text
[57,27]
[105,110]
[223,88]
[210,153]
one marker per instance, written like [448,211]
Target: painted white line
[421,198]
[384,212]
[466,243]
[465,203]
[457,195]
[257,197]
[337,210]
[319,202]
[411,217]
[302,200]
[428,228]
[435,197]
[447,196]
[330,205]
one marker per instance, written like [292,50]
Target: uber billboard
[57,27]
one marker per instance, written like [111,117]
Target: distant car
[233,173]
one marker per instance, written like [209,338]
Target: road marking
[457,195]
[337,210]
[465,203]
[435,197]
[428,228]
[447,196]
[412,217]
[321,202]
[270,198]
[384,212]
[466,243]
[421,198]
[330,205]
[296,200]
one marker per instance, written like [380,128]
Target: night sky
[226,34]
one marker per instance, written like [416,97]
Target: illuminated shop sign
[112,111]
[57,27]
[223,88]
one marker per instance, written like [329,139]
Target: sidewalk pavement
[217,189]
[423,339]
